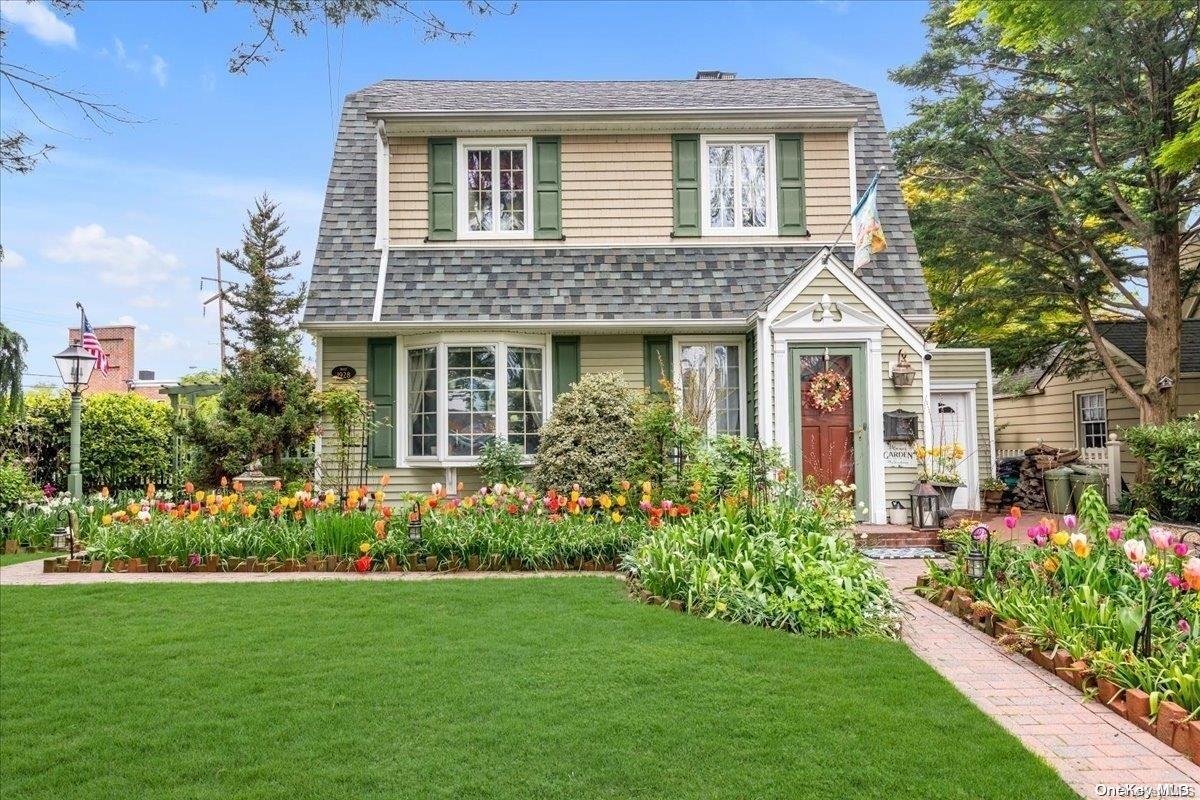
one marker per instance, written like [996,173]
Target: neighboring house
[1044,403]
[119,344]
[485,243]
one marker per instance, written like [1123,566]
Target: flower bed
[1114,610]
[787,565]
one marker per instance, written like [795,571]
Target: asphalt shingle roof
[723,282]
[1130,339]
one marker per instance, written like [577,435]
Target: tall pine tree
[267,403]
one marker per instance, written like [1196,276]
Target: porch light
[902,371]
[926,511]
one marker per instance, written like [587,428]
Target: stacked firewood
[1031,488]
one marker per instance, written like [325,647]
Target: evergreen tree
[267,403]
[12,364]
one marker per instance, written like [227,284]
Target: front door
[953,437]
[828,402]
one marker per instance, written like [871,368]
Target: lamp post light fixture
[977,560]
[414,524]
[75,366]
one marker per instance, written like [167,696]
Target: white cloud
[150,301]
[125,261]
[164,343]
[13,260]
[158,68]
[39,21]
[125,319]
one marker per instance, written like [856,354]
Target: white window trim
[680,342]
[1080,439]
[500,342]
[460,189]
[772,227]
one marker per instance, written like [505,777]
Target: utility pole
[222,287]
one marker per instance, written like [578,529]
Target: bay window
[463,392]
[712,389]
[494,189]
[737,186]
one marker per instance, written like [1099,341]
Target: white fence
[1107,459]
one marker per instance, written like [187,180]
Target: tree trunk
[1163,327]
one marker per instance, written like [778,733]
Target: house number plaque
[343,371]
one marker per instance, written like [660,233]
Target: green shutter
[565,355]
[686,159]
[789,154]
[381,393]
[656,362]
[547,187]
[442,211]
[751,385]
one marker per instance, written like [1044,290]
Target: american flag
[91,344]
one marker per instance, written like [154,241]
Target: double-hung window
[494,200]
[738,185]
[463,393]
[1092,415]
[711,383]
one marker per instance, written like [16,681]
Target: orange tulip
[150,490]
[1015,511]
[380,527]
[278,486]
[187,487]
[238,487]
[308,487]
[224,481]
[385,480]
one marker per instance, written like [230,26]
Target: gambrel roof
[533,281]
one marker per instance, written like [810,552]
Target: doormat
[901,552]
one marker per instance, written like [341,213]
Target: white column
[1114,470]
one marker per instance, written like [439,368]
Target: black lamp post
[977,560]
[75,366]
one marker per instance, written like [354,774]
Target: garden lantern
[63,538]
[414,524]
[926,511]
[75,366]
[977,560]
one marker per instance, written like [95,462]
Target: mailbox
[899,426]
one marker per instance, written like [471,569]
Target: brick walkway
[1088,744]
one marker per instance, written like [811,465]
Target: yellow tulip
[133,508]
[574,496]
[365,547]
[605,501]
[490,499]
[1050,565]
[646,487]
[621,500]
[379,496]
[616,516]
[1059,538]
[199,496]
[106,519]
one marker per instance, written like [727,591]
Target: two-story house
[485,243]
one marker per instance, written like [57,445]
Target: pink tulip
[1135,550]
[1010,522]
[644,505]
[1035,531]
[1184,626]
[1040,540]
[1161,537]
[1069,522]
[1181,549]
[1174,581]
[1142,571]
[1115,533]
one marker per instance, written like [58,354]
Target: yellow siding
[966,366]
[1050,416]
[408,204]
[617,188]
[623,354]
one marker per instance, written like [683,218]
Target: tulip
[1174,581]
[1059,538]
[1010,522]
[104,492]
[1180,549]
[1115,533]
[1050,565]
[194,559]
[1135,550]
[363,564]
[436,489]
[1161,537]
[278,486]
[1015,511]
[1191,573]
[1141,571]
[616,516]
[188,487]
[1184,626]
[1079,543]
[1069,522]
[106,519]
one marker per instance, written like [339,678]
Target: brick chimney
[715,75]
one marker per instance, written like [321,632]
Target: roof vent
[715,75]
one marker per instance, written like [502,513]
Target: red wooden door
[827,437]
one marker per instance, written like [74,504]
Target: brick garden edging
[313,563]
[1168,726]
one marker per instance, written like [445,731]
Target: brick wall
[118,343]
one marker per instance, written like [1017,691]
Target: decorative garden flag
[867,230]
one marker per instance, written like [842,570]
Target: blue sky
[127,221]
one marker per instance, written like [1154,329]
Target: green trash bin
[1083,477]
[1058,490]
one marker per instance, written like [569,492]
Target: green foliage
[268,404]
[15,487]
[660,428]
[501,462]
[348,412]
[590,437]
[12,365]
[794,570]
[1030,161]
[1171,453]
[125,439]
[727,464]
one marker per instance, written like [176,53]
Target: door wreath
[827,391]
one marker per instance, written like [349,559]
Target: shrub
[660,428]
[727,462]
[40,438]
[501,462]
[590,437]
[1171,453]
[15,487]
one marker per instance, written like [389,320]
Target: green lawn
[467,689]
[20,558]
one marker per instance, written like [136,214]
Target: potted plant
[939,468]
[991,491]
